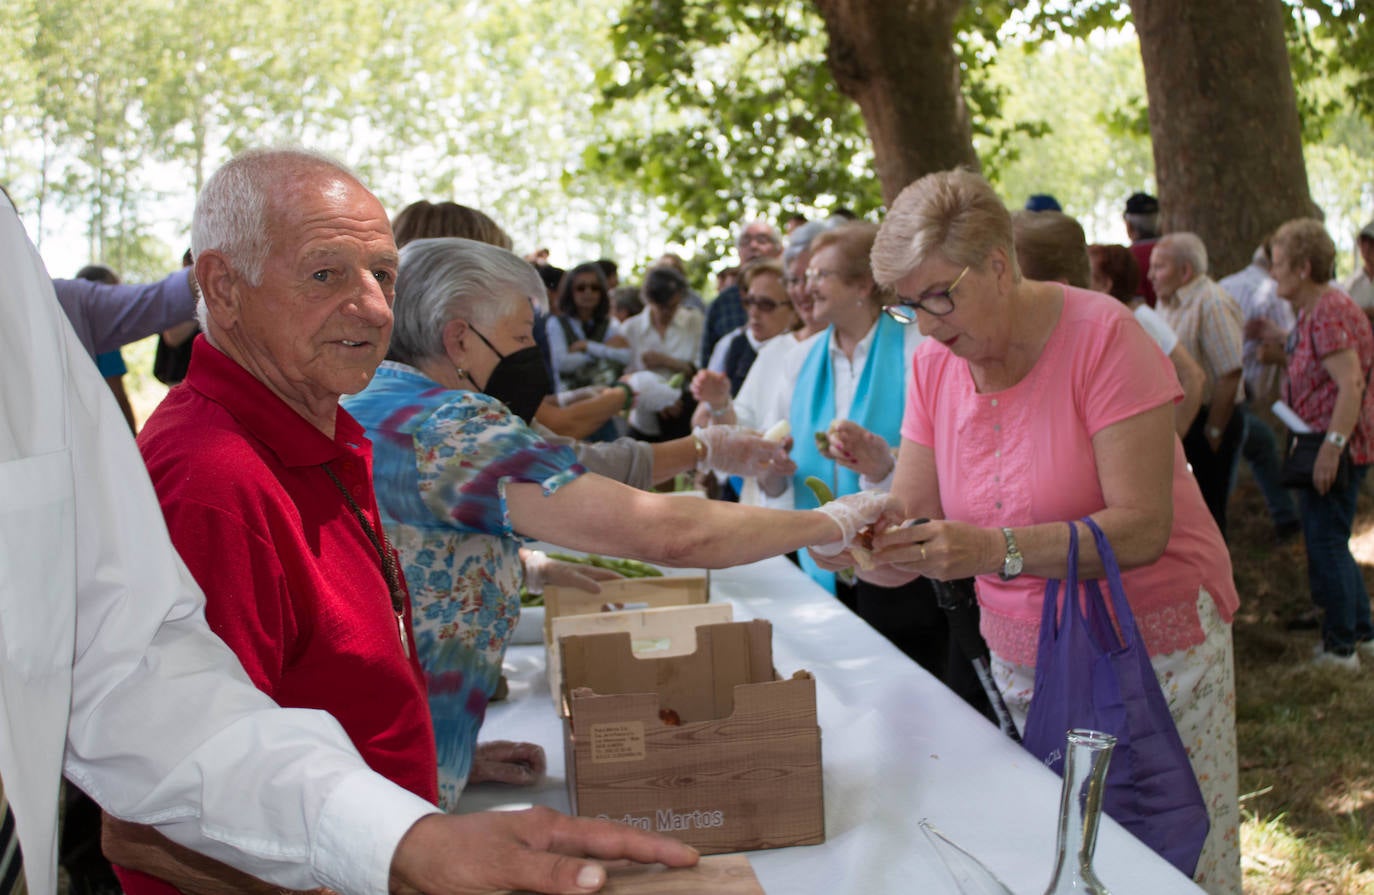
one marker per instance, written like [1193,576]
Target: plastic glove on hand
[541,571]
[584,393]
[652,392]
[855,514]
[736,451]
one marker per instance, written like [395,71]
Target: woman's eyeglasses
[817,275]
[765,305]
[936,303]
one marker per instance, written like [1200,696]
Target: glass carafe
[1080,808]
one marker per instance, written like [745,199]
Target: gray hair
[799,242]
[231,210]
[954,214]
[1185,248]
[773,234]
[441,280]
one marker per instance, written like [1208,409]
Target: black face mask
[520,380]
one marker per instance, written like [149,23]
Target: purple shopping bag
[1091,673]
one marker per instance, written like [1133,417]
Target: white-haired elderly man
[1209,324]
[757,239]
[265,484]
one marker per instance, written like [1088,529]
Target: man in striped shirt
[1209,325]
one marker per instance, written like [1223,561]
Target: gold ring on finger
[923,553]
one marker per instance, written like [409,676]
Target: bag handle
[1125,619]
[1052,615]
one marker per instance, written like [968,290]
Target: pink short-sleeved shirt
[1024,456]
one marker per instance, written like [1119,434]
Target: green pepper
[819,488]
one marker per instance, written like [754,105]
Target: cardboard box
[711,748]
[623,593]
[670,631]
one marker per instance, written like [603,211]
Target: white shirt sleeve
[601,349]
[164,726]
[717,362]
[1158,329]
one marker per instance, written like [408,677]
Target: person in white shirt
[762,400]
[109,674]
[1264,314]
[1360,285]
[769,313]
[664,337]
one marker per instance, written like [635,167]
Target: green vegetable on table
[677,380]
[629,568]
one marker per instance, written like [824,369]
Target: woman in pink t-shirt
[1031,405]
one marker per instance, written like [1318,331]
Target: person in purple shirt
[107,317]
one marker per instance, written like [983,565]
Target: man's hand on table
[448,854]
[502,761]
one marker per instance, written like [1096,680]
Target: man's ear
[220,289]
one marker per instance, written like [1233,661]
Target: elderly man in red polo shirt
[265,481]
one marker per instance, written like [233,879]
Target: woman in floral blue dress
[461,480]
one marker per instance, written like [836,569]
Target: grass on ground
[1306,737]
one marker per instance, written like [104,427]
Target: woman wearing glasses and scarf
[1032,404]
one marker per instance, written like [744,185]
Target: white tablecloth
[897,746]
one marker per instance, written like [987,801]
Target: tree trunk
[897,61]
[1223,122]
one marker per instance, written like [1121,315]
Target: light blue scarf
[878,407]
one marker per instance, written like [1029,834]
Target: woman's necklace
[389,570]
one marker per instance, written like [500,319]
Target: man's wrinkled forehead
[756,230]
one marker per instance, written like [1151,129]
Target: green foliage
[1092,155]
[731,112]
[1331,40]
[580,126]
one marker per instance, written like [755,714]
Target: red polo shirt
[291,581]
[1142,250]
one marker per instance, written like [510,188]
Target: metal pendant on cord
[389,570]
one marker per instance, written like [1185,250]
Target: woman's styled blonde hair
[953,214]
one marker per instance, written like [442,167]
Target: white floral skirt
[1200,684]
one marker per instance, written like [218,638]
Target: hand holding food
[735,451]
[854,514]
[856,448]
[941,549]
[710,387]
